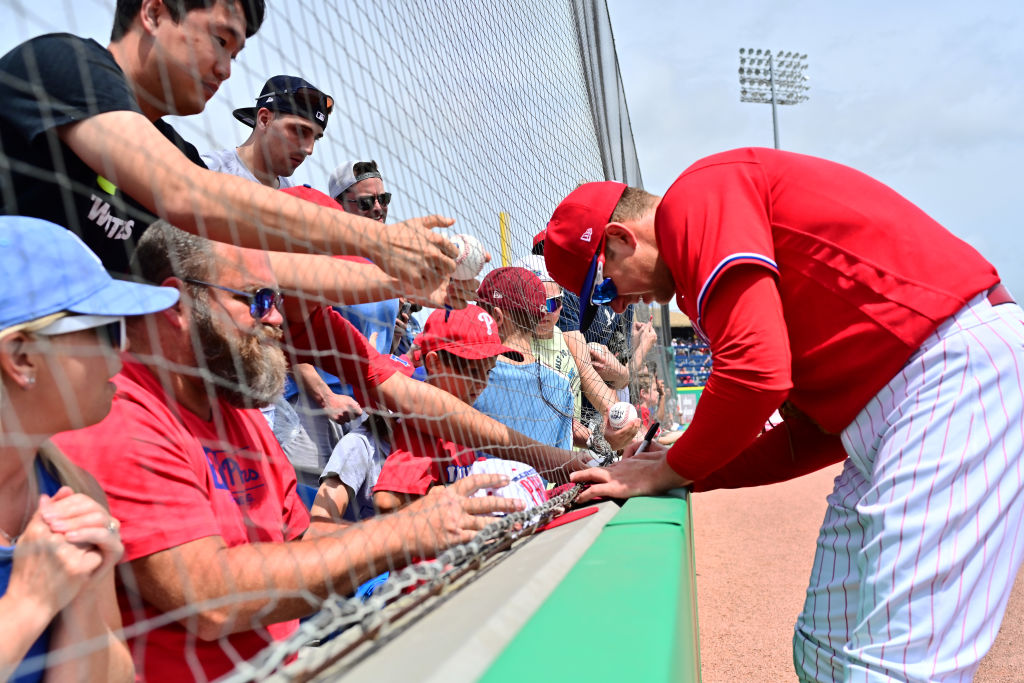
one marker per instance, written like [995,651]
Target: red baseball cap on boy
[467,333]
[574,240]
[514,288]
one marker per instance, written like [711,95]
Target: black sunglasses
[261,302]
[366,201]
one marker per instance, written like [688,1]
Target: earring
[30,380]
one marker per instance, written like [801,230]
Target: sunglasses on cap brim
[604,291]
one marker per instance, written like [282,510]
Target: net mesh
[487,112]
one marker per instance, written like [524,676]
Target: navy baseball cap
[47,269]
[290,95]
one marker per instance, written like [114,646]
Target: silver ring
[112,526]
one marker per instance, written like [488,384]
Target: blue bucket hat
[47,269]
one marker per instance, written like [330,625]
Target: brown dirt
[754,549]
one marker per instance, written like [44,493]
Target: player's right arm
[228,590]
[127,149]
[750,380]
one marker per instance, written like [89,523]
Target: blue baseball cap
[47,269]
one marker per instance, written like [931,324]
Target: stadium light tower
[778,78]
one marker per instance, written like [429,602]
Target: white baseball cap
[343,178]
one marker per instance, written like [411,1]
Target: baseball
[621,414]
[470,260]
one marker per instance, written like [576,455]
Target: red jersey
[863,277]
[172,478]
[419,462]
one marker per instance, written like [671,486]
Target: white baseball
[470,260]
[621,414]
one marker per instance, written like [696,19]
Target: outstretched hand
[414,254]
[451,292]
[449,515]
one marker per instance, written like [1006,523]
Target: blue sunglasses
[605,290]
[552,304]
[261,302]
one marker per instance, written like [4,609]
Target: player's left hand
[637,476]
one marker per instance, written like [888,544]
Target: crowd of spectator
[175,426]
[692,361]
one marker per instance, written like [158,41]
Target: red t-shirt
[419,461]
[172,478]
[862,276]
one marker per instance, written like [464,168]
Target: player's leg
[829,613]
[942,447]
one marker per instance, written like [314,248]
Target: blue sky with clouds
[925,96]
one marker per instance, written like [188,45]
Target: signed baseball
[470,260]
[621,414]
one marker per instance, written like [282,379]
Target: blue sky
[924,96]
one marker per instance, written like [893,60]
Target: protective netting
[487,112]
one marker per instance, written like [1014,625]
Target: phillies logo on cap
[585,237]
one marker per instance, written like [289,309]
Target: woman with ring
[61,332]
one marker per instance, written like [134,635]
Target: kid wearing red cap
[886,341]
[459,349]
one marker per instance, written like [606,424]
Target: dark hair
[127,10]
[361,167]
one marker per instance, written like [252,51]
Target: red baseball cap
[310,195]
[539,237]
[467,333]
[574,240]
[513,288]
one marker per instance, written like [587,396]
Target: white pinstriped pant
[924,531]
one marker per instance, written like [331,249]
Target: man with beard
[213,529]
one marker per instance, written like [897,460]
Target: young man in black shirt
[82,144]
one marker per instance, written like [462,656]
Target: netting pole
[503,234]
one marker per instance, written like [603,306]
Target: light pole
[779,79]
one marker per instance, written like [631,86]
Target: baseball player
[886,341]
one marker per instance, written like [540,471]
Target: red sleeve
[711,220]
[152,484]
[751,375]
[787,451]
[332,343]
